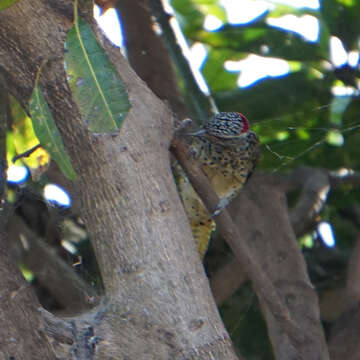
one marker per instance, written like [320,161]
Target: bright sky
[254,67]
[54,193]
[326,233]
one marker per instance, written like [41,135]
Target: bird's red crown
[227,125]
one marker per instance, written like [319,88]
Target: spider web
[288,141]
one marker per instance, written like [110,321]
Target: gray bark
[158,304]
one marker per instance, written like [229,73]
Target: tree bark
[265,245]
[158,300]
[20,331]
[274,247]
[148,54]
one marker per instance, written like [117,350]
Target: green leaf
[335,138]
[211,7]
[251,38]
[96,86]
[189,16]
[47,132]
[219,79]
[283,9]
[342,19]
[24,138]
[6,3]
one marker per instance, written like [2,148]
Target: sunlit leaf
[276,98]
[303,134]
[96,86]
[211,7]
[282,135]
[218,78]
[262,39]
[283,9]
[28,274]
[10,147]
[347,2]
[306,241]
[23,138]
[6,3]
[335,138]
[47,132]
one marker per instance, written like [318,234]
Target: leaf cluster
[308,117]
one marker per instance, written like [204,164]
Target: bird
[227,151]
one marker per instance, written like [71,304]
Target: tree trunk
[158,304]
[20,332]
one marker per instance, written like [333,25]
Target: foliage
[298,116]
[97,89]
[47,132]
[6,3]
[253,342]
[22,138]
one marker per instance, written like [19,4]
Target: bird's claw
[215,213]
[220,207]
[183,124]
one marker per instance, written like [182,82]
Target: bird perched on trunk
[228,151]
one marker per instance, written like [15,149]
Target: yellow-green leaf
[335,138]
[47,132]
[6,3]
[23,138]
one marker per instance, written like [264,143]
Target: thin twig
[203,105]
[27,153]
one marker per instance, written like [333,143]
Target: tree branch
[160,300]
[203,105]
[343,343]
[312,199]
[263,286]
[71,291]
[314,184]
[352,280]
[148,54]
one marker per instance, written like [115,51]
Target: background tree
[146,295]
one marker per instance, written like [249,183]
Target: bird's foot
[220,207]
[183,124]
